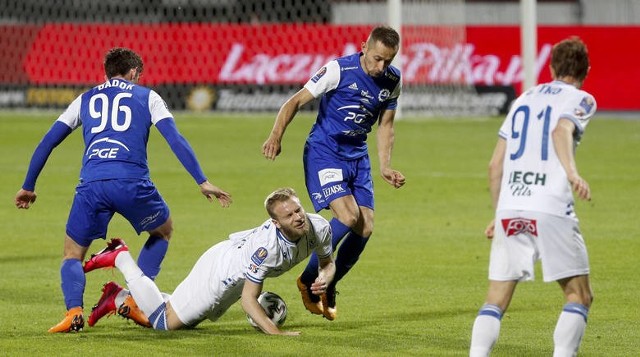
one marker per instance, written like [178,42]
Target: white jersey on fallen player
[533,178]
[216,280]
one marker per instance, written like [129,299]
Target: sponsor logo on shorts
[513,226]
[149,219]
[332,190]
[329,175]
[317,197]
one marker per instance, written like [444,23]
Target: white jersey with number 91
[533,177]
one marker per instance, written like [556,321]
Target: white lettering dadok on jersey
[533,177]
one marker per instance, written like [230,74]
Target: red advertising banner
[190,53]
[613,78]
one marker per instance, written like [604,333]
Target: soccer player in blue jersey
[115,118]
[356,91]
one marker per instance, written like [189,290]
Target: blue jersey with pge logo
[116,117]
[351,104]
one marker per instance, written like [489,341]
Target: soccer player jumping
[115,117]
[357,91]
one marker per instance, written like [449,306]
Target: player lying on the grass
[230,270]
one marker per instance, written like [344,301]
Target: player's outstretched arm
[273,145]
[56,134]
[250,305]
[210,191]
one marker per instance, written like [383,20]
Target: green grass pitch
[416,289]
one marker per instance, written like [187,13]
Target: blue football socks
[73,282]
[152,255]
[348,254]
[338,232]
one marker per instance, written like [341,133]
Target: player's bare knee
[165,231]
[350,220]
[166,235]
[367,230]
[365,225]
[587,299]
[582,296]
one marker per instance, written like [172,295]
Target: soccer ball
[274,306]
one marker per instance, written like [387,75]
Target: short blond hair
[280,195]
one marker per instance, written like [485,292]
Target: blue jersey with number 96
[116,117]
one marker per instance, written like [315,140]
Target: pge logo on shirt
[105,152]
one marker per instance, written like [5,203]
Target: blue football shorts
[328,178]
[95,203]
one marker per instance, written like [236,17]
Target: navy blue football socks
[152,255]
[338,232]
[348,254]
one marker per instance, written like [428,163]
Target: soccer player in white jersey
[531,175]
[357,91]
[115,118]
[230,270]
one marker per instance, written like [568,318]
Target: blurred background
[459,58]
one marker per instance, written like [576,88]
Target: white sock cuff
[491,310]
[575,308]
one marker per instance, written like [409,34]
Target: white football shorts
[523,237]
[202,294]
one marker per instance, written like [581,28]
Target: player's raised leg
[147,296]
